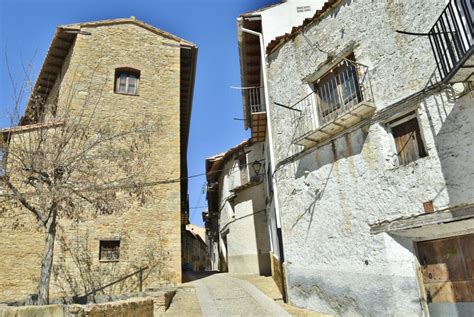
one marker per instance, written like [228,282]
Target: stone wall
[147,229]
[329,196]
[136,307]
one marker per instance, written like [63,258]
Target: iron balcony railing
[254,98]
[451,37]
[335,94]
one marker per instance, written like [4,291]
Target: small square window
[109,250]
[126,81]
[408,141]
[338,90]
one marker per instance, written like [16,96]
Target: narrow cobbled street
[230,295]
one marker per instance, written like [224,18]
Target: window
[407,136]
[126,81]
[109,250]
[244,176]
[303,9]
[338,90]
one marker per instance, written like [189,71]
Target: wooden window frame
[102,257]
[334,74]
[128,72]
[418,134]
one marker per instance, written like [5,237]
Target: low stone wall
[155,303]
[32,311]
[161,299]
[136,307]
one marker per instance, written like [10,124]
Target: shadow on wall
[342,148]
[263,240]
[348,145]
[455,146]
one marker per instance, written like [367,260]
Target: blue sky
[27,27]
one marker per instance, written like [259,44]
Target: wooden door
[448,269]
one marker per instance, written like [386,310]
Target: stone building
[195,254]
[236,220]
[255,30]
[373,135]
[134,73]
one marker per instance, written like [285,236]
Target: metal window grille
[452,36]
[336,93]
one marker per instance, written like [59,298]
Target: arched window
[126,81]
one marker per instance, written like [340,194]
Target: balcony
[340,99]
[255,100]
[451,39]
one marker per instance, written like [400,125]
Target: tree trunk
[47,262]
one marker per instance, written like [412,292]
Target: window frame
[107,259]
[128,72]
[333,74]
[420,140]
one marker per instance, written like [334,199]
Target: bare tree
[68,164]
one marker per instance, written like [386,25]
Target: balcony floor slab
[344,121]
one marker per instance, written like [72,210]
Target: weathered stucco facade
[332,192]
[148,229]
[237,207]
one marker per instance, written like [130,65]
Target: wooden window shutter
[408,141]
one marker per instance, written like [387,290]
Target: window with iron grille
[408,141]
[109,250]
[338,90]
[126,81]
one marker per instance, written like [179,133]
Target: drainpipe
[269,123]
[272,154]
[270,137]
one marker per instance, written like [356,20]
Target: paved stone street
[230,295]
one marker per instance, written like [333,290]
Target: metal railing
[93,292]
[305,120]
[451,37]
[335,94]
[254,98]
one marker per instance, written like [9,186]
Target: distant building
[236,221]
[134,72]
[195,252]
